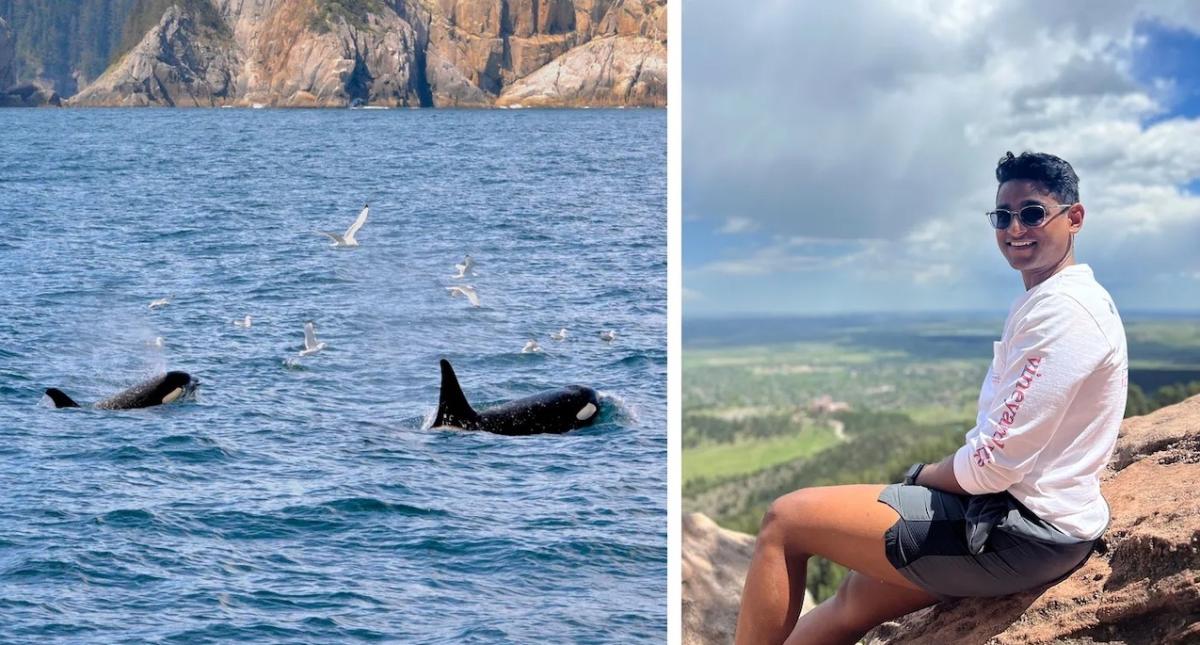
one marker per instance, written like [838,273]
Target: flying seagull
[347,238]
[466,268]
[465,290]
[311,346]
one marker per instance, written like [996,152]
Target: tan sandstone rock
[614,71]
[715,561]
[1144,589]
[465,53]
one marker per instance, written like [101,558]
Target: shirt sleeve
[1054,348]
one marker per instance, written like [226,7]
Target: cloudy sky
[839,157]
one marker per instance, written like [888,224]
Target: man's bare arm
[941,476]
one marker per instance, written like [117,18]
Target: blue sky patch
[1170,53]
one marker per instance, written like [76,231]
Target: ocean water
[305,499]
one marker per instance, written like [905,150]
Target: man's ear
[1075,217]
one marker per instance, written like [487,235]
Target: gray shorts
[954,546]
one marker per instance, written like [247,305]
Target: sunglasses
[1031,216]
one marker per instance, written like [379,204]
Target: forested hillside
[69,44]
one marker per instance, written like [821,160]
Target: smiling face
[1037,253]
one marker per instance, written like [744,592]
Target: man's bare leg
[860,604]
[842,523]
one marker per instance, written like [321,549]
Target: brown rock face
[291,64]
[715,561]
[398,53]
[1144,589]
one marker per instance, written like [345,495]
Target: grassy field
[745,456]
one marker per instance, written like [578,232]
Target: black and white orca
[553,411]
[156,391]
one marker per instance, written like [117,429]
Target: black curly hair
[1054,174]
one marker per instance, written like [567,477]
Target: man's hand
[941,476]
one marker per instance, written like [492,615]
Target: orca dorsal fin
[453,409]
[60,398]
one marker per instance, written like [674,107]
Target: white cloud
[857,120]
[787,255]
[738,224]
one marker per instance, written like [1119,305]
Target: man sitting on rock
[1019,504]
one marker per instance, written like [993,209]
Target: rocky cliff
[7,54]
[322,53]
[715,561]
[1144,588]
[25,94]
[184,61]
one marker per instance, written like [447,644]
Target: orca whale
[156,391]
[553,411]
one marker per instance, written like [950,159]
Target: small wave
[614,409]
[240,525]
[43,569]
[227,633]
[372,505]
[191,449]
[199,456]
[639,360]
[128,517]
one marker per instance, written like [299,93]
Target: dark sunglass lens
[1000,218]
[1032,216]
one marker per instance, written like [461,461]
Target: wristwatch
[910,475]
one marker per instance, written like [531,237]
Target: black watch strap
[910,476]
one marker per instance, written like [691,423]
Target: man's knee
[787,517]
[845,609]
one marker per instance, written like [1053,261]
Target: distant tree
[1136,403]
[1172,394]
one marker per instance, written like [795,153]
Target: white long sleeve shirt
[1051,405]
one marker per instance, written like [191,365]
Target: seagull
[530,347]
[347,239]
[311,346]
[157,343]
[560,335]
[466,268]
[161,302]
[245,322]
[609,335]
[465,290]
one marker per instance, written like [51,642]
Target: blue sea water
[306,499]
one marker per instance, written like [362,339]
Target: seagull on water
[465,290]
[560,335]
[161,302]
[245,322]
[466,268]
[530,347]
[608,335]
[347,238]
[311,346]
